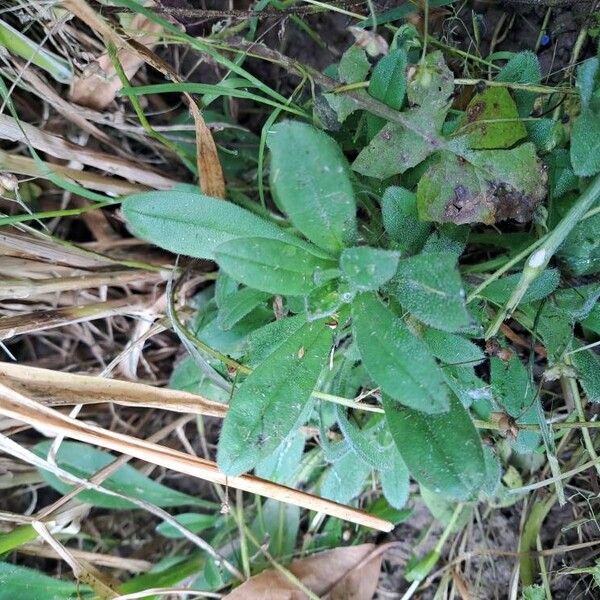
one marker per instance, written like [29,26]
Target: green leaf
[494,186]
[187,376]
[396,359]
[269,265]
[466,385]
[271,401]
[318,197]
[263,341]
[368,268]
[580,252]
[33,52]
[193,224]
[366,448]
[534,592]
[442,452]
[396,149]
[395,481]
[282,465]
[587,364]
[195,522]
[432,82]
[500,291]
[524,67]
[278,523]
[401,220]
[451,348]
[447,238]
[429,286]
[443,509]
[345,479]
[84,461]
[561,177]
[236,306]
[585,144]
[326,300]
[388,80]
[493,104]
[588,82]
[514,392]
[29,584]
[354,66]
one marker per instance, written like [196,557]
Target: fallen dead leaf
[99,85]
[341,573]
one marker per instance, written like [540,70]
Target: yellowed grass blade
[54,388]
[15,405]
[27,288]
[41,320]
[60,148]
[22,165]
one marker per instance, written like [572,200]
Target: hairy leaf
[401,220]
[395,358]
[442,452]
[270,402]
[388,81]
[368,268]
[429,286]
[193,224]
[84,461]
[310,182]
[272,266]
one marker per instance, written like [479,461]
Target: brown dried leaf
[98,87]
[342,572]
[209,168]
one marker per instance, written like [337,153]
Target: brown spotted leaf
[492,186]
[492,120]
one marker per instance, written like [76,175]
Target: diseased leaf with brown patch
[343,573]
[492,186]
[492,120]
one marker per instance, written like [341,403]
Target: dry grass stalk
[58,147]
[17,406]
[54,388]
[48,319]
[22,165]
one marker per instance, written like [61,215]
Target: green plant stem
[571,391]
[517,259]
[529,535]
[538,260]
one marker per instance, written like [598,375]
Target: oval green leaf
[194,224]
[272,266]
[270,402]
[429,286]
[368,268]
[442,452]
[84,461]
[396,359]
[311,184]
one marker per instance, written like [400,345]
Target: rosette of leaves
[359,308]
